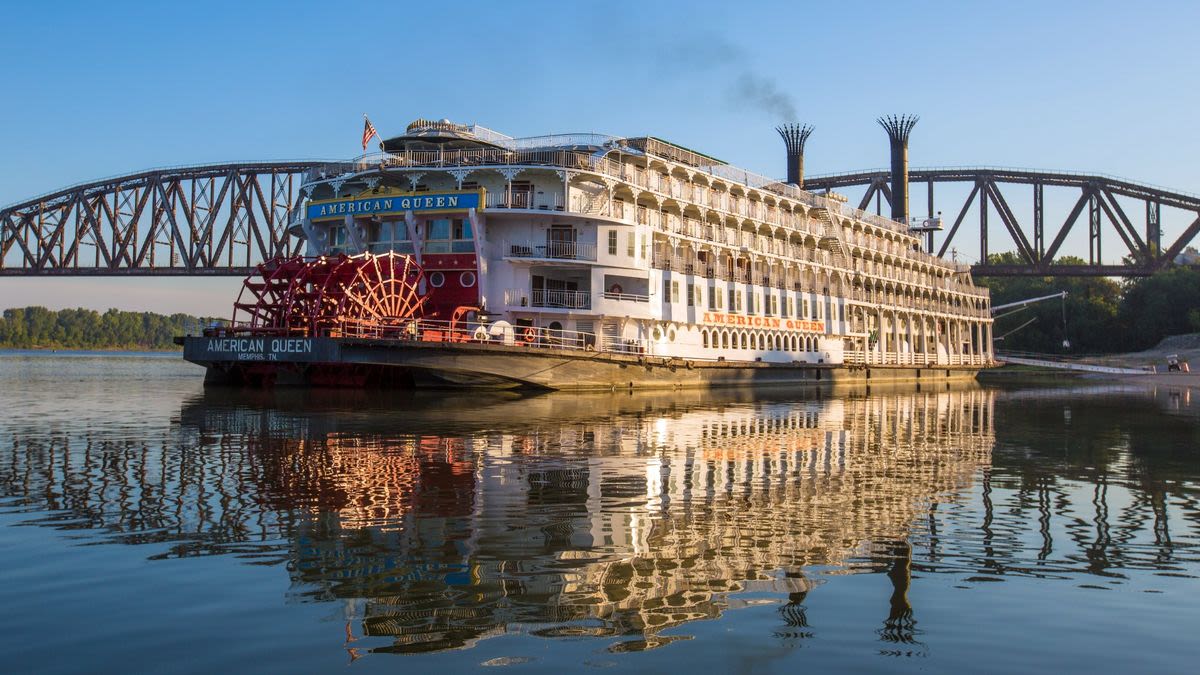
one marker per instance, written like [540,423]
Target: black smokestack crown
[794,137]
[898,127]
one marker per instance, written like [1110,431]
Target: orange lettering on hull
[799,325]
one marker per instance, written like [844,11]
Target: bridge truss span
[224,219]
[1057,207]
[216,219]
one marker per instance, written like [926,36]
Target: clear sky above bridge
[97,89]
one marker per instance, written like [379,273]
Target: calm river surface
[147,525]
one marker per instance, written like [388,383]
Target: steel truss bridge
[223,219]
[1038,237]
[215,219]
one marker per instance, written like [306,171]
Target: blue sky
[97,89]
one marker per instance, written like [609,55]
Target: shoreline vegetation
[39,328]
[1099,315]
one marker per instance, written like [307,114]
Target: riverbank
[132,349]
[1175,379]
[72,353]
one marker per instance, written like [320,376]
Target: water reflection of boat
[593,514]
[625,517]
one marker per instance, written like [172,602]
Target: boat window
[439,229]
[337,236]
[390,235]
[449,235]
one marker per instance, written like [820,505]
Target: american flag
[368,131]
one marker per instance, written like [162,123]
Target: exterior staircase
[831,238]
[591,204]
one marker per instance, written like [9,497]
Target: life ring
[481,334]
[616,289]
[530,334]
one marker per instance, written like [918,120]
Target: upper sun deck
[448,148]
[648,165]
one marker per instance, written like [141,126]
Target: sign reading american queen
[395,204]
[769,322]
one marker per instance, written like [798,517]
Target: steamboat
[458,256]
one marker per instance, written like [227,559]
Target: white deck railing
[560,299]
[555,250]
[428,331]
[525,200]
[629,297]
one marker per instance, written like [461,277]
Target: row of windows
[465,279]
[769,305]
[631,244]
[442,235]
[763,341]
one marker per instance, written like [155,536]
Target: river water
[148,525]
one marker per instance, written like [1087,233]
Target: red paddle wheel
[306,304]
[262,303]
[373,292]
[297,296]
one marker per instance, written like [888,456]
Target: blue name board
[340,208]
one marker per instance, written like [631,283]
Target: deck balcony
[560,299]
[525,200]
[548,299]
[550,250]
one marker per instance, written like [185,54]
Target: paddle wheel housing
[316,296]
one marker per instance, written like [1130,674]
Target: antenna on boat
[898,127]
[795,135]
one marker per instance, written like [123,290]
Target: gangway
[1028,301]
[1069,365]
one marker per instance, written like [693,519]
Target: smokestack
[794,136]
[898,127]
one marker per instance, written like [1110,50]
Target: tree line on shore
[1099,315]
[41,328]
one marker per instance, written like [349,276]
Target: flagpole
[374,131]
